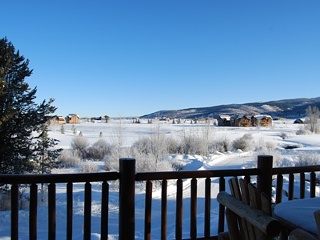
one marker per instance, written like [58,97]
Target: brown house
[242,120]
[223,120]
[72,119]
[57,120]
[262,120]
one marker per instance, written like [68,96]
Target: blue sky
[130,58]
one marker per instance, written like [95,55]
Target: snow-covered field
[272,136]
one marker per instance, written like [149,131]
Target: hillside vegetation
[287,108]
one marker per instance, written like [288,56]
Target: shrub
[142,145]
[219,146]
[262,144]
[5,201]
[149,163]
[110,163]
[165,165]
[192,145]
[172,145]
[62,130]
[307,159]
[177,166]
[70,158]
[98,150]
[277,157]
[80,143]
[112,159]
[88,167]
[244,143]
[303,131]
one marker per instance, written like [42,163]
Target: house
[262,120]
[298,121]
[72,119]
[223,120]
[57,120]
[242,120]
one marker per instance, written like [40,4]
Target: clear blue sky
[134,57]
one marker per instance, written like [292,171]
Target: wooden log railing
[292,173]
[127,178]
[193,176]
[34,180]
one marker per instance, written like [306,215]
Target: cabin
[72,119]
[57,120]
[242,120]
[262,120]
[223,120]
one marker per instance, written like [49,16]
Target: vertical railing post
[126,199]
[264,179]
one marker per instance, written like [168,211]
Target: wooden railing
[35,180]
[128,178]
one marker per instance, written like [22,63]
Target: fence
[267,179]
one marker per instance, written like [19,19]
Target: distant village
[237,120]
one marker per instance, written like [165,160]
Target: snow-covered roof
[72,114]
[224,116]
[259,116]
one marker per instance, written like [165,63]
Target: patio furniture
[299,234]
[303,214]
[247,213]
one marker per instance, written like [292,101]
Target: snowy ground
[131,132]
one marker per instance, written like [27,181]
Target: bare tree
[313,115]
[159,146]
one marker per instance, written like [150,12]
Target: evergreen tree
[45,153]
[20,116]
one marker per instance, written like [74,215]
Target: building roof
[259,116]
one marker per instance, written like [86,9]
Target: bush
[110,163]
[284,135]
[277,157]
[244,143]
[88,167]
[303,131]
[219,146]
[177,166]
[172,145]
[142,145]
[149,163]
[262,144]
[307,160]
[192,145]
[112,159]
[80,143]
[5,201]
[70,158]
[98,150]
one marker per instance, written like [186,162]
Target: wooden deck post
[264,179]
[127,199]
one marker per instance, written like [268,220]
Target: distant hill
[287,108]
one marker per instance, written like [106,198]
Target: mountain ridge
[285,108]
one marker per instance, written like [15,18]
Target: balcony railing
[269,180]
